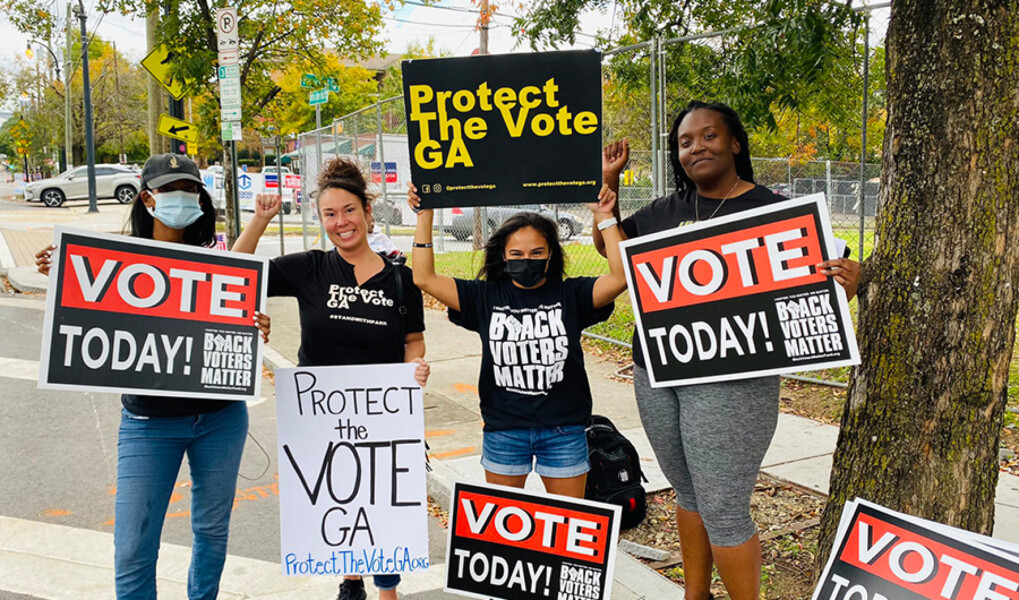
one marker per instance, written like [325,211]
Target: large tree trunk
[922,421]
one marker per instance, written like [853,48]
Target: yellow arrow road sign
[177,129]
[158,64]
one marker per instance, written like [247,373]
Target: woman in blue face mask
[535,397]
[157,432]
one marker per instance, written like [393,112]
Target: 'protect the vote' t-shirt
[343,323]
[532,364]
[678,209]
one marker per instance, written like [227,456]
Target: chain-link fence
[644,86]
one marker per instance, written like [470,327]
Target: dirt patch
[818,402]
[787,518]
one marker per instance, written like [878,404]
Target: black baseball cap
[162,169]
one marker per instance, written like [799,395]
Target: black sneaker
[352,589]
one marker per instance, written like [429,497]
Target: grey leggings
[710,440]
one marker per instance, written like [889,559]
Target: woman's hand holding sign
[846,273]
[43,258]
[264,325]
[605,207]
[414,200]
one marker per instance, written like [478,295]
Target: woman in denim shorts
[535,397]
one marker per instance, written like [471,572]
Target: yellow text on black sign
[440,117]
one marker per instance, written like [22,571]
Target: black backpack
[615,475]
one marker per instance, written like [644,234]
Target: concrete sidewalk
[800,453]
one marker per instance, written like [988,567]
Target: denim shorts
[560,452]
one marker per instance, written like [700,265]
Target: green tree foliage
[791,68]
[118,105]
[273,35]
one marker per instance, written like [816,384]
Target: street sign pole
[235,194]
[321,162]
[90,151]
[279,182]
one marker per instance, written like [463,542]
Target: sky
[450,22]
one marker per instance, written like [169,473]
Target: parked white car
[120,182]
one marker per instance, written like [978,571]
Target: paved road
[59,471]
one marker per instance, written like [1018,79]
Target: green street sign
[229,71]
[309,80]
[318,97]
[332,85]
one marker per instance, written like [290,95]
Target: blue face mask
[176,209]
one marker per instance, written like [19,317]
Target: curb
[629,572]
[27,280]
[6,258]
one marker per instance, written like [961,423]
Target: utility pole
[90,152]
[120,106]
[155,91]
[68,122]
[480,228]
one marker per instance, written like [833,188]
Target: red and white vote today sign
[740,296]
[136,316]
[882,554]
[292,182]
[513,544]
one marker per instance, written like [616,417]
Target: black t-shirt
[680,208]
[343,323]
[158,406]
[532,364]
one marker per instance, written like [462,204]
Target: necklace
[697,203]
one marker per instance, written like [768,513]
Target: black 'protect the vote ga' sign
[505,129]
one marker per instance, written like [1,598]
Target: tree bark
[923,417]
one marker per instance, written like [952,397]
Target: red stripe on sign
[141,284]
[568,533]
[919,564]
[766,258]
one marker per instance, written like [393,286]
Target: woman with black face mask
[535,397]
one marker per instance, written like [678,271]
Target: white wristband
[603,225]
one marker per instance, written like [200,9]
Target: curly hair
[344,174]
[744,168]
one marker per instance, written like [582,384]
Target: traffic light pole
[90,152]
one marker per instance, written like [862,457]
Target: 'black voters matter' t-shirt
[678,209]
[343,323]
[532,365]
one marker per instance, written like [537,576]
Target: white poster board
[352,470]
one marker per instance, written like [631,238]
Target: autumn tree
[273,35]
[923,418]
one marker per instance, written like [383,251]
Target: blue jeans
[149,455]
[558,452]
[386,582]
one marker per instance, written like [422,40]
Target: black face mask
[526,271]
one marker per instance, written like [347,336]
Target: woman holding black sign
[356,307]
[710,439]
[535,397]
[156,432]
